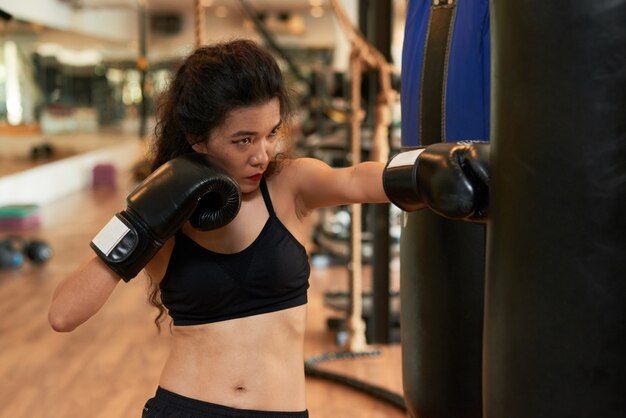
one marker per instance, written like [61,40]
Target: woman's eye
[275,131]
[244,141]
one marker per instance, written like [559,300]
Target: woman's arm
[81,294]
[319,185]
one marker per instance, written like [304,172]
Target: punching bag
[555,329]
[445,98]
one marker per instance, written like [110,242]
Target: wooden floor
[110,366]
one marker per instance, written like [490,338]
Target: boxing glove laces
[452,179]
[186,188]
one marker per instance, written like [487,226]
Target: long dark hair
[212,81]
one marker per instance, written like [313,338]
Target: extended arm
[452,179]
[319,185]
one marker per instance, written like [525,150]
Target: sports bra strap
[266,197]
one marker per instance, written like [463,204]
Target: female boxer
[218,227]
[236,294]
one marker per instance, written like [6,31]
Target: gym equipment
[370,389]
[442,284]
[9,257]
[332,235]
[450,179]
[41,151]
[445,98]
[338,301]
[19,216]
[362,55]
[15,251]
[555,333]
[104,175]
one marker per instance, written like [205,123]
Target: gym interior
[519,314]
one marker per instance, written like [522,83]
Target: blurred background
[69,66]
[77,76]
[78,84]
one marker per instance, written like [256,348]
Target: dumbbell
[14,251]
[41,151]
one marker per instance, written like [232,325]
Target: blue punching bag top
[464,74]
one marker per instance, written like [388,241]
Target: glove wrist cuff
[399,180]
[118,244]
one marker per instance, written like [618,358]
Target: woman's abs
[248,363]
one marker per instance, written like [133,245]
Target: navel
[240,389]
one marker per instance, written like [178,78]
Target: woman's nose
[260,156]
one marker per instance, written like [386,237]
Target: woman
[237,294]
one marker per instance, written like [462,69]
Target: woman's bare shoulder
[292,182]
[297,170]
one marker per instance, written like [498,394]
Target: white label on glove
[405,158]
[110,235]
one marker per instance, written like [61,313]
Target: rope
[375,60]
[363,55]
[199,21]
[373,390]
[356,326]
[367,51]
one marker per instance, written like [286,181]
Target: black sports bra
[201,286]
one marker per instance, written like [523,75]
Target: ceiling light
[296,25]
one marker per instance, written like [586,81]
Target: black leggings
[166,404]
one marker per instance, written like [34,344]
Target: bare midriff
[254,362]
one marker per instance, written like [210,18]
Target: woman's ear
[199,147]
[197,144]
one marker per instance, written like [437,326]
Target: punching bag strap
[435,71]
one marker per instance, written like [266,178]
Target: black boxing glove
[185,188]
[452,179]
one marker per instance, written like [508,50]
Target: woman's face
[245,143]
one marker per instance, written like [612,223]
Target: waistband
[203,408]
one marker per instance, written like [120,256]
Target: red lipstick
[256,177]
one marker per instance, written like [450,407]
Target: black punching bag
[445,98]
[555,329]
[442,284]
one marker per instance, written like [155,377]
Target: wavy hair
[211,82]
